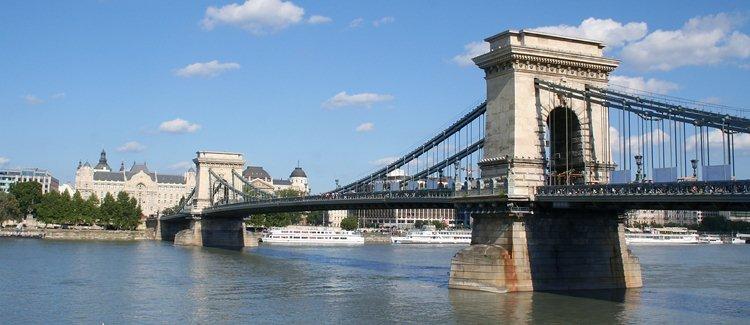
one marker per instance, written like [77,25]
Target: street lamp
[456,166]
[694,164]
[639,163]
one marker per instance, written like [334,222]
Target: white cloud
[257,16]
[4,161]
[745,66]
[701,40]
[178,125]
[33,100]
[182,165]
[317,19]
[471,50]
[716,139]
[131,146]
[638,83]
[615,142]
[612,33]
[711,100]
[343,99]
[365,127]
[356,22]
[60,95]
[384,161]
[206,69]
[383,21]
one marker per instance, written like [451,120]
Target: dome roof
[102,165]
[298,172]
[255,172]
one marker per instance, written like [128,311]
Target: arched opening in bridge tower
[564,147]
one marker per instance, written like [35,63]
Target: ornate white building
[154,192]
[262,180]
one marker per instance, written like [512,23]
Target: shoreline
[82,235]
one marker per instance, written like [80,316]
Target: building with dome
[153,191]
[262,180]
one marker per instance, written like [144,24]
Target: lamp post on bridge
[456,166]
[639,163]
[694,164]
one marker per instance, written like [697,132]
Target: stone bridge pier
[213,232]
[570,250]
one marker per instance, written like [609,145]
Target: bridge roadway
[422,199]
[706,196]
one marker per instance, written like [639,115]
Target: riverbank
[78,234]
[22,234]
[114,235]
[377,238]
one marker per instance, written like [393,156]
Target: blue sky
[338,86]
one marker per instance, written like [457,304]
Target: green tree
[78,209]
[349,223]
[439,225]
[28,194]
[91,210]
[49,210]
[109,211]
[65,209]
[722,224]
[419,224]
[9,208]
[316,218]
[128,213]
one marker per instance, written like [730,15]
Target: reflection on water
[154,282]
[596,306]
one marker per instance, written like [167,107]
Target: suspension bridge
[546,166]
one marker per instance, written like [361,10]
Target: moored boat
[312,236]
[659,236]
[429,235]
[710,239]
[741,239]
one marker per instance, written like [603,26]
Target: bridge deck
[705,196]
[355,201]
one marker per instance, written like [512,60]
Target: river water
[48,282]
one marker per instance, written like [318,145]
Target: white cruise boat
[660,236]
[312,236]
[710,239]
[429,235]
[741,239]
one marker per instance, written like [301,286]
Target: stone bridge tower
[221,163]
[532,136]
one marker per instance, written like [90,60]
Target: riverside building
[263,181]
[663,217]
[17,175]
[153,191]
[404,218]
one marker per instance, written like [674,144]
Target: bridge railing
[439,193]
[676,188]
